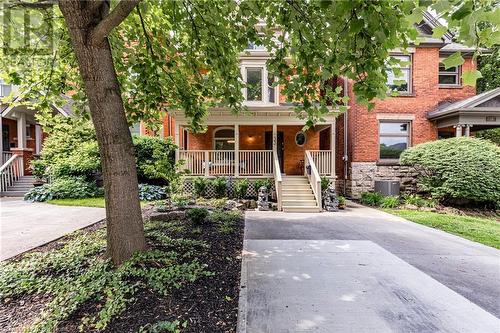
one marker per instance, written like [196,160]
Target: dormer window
[260,87]
[450,76]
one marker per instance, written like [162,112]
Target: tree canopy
[185,54]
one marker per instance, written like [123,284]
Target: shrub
[491,134]
[342,200]
[457,168]
[155,159]
[64,188]
[324,183]
[197,216]
[416,200]
[220,186]
[371,198]
[39,194]
[200,186]
[262,182]
[389,202]
[241,188]
[151,192]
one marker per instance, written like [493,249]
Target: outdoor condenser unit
[387,187]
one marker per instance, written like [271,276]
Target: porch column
[1,140]
[236,150]
[458,130]
[177,141]
[332,147]
[467,129]
[21,130]
[38,139]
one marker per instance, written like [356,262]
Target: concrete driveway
[25,225]
[362,270]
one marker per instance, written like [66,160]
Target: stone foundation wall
[364,175]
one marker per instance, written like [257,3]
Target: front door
[5,138]
[280,145]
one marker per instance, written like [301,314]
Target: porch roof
[482,110]
[283,114]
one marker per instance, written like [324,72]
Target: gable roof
[468,104]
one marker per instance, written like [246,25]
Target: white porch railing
[6,155]
[11,171]
[323,161]
[256,162]
[313,176]
[277,180]
[222,162]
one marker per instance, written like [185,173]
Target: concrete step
[296,190]
[13,193]
[295,181]
[299,202]
[296,186]
[301,209]
[19,188]
[305,196]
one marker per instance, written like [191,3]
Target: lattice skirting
[188,187]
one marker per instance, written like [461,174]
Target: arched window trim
[215,138]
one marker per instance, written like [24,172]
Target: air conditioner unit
[387,187]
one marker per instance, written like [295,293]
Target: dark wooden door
[280,145]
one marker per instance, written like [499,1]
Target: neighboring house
[21,140]
[354,149]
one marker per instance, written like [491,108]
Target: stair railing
[313,176]
[10,172]
[277,180]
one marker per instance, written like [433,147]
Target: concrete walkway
[25,225]
[363,270]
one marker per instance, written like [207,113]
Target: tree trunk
[125,231]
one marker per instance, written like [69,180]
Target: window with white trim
[224,138]
[5,89]
[450,76]
[400,82]
[260,86]
[394,138]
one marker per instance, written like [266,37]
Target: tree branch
[119,13]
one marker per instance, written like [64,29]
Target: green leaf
[454,60]
[438,32]
[470,77]
[463,11]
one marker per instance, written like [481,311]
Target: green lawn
[86,202]
[481,230]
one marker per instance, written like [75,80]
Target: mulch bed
[209,304]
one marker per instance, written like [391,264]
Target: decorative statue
[262,201]
[331,203]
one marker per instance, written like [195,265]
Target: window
[254,84]
[255,46]
[28,131]
[224,139]
[5,89]
[402,82]
[300,138]
[450,76]
[394,138]
[260,85]
[135,129]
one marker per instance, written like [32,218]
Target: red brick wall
[425,97]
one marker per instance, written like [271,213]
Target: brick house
[353,149]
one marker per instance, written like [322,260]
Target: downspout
[345,158]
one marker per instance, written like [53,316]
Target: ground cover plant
[478,229]
[187,281]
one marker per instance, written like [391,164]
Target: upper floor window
[450,76]
[255,46]
[400,82]
[5,89]
[394,138]
[260,86]
[135,129]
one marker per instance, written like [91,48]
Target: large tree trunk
[125,231]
